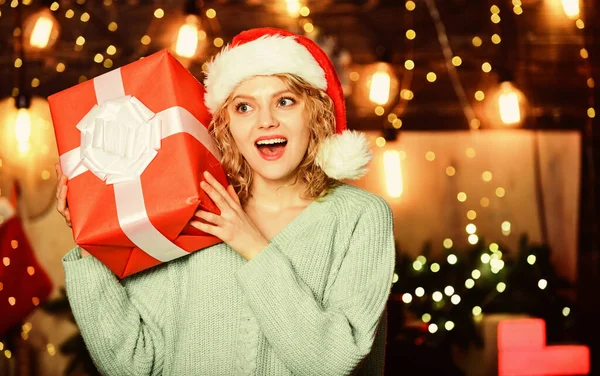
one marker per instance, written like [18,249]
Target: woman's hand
[61,200]
[233,226]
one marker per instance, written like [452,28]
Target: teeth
[271,141]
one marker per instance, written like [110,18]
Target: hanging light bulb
[393,173]
[293,7]
[379,92]
[187,37]
[375,90]
[571,8]
[41,30]
[509,104]
[23,129]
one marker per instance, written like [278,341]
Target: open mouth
[271,148]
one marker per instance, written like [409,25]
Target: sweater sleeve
[333,337]
[121,333]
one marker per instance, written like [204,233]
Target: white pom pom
[344,156]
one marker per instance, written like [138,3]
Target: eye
[243,107]
[286,101]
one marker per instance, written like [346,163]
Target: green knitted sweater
[311,303]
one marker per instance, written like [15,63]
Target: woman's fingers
[208,228]
[210,217]
[214,183]
[68,217]
[61,204]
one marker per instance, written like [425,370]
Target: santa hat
[269,51]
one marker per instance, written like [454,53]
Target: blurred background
[482,117]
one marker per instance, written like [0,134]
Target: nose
[267,118]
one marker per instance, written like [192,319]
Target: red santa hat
[269,51]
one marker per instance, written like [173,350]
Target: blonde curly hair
[321,121]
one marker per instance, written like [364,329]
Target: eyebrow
[251,97]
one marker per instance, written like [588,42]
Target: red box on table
[134,143]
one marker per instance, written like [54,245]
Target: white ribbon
[119,139]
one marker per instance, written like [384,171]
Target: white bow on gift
[119,139]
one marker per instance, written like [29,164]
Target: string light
[471,214]
[431,77]
[432,328]
[430,156]
[159,13]
[447,243]
[500,287]
[471,228]
[469,283]
[461,196]
[517,10]
[449,290]
[455,299]
[542,284]
[426,317]
[419,292]
[406,298]
[304,11]
[437,296]
[449,325]
[211,13]
[531,259]
[477,42]
[417,265]
[451,61]
[435,267]
[450,171]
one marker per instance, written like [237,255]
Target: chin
[274,174]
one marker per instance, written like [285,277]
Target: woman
[300,282]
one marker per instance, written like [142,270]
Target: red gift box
[134,143]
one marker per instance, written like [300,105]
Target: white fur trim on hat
[264,56]
[345,155]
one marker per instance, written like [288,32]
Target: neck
[275,195]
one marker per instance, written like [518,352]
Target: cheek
[237,132]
